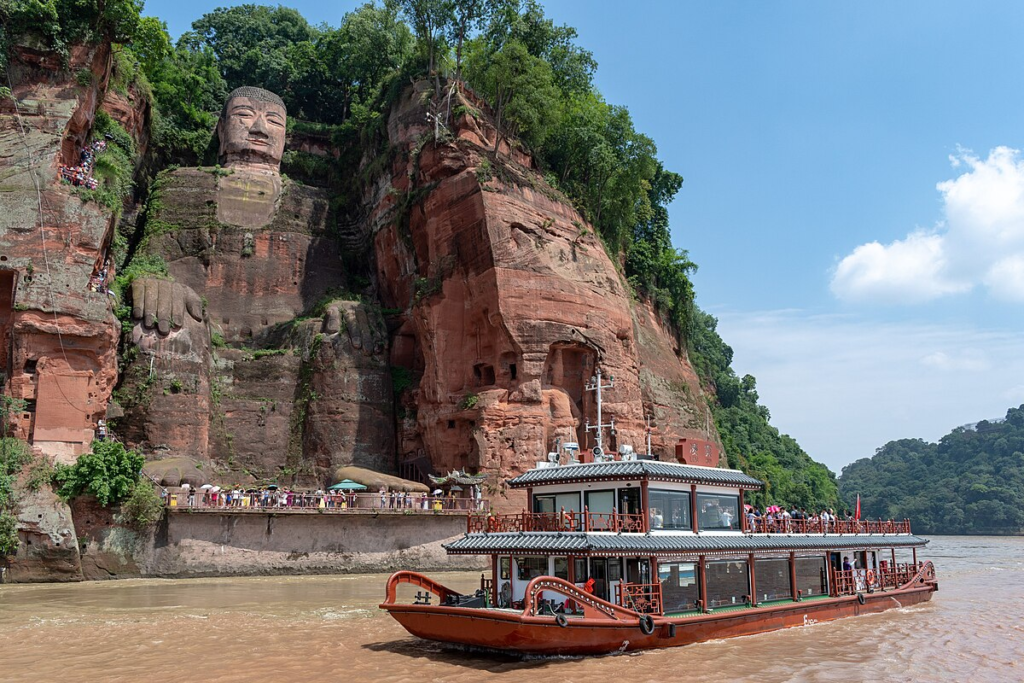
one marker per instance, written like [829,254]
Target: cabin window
[531,567]
[562,568]
[555,502]
[600,502]
[772,579]
[580,570]
[629,501]
[679,589]
[811,577]
[716,511]
[728,583]
[503,568]
[669,509]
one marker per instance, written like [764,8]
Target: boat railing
[888,576]
[836,526]
[556,521]
[419,581]
[644,598]
[542,591]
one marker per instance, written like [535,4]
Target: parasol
[347,485]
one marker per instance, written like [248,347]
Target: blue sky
[853,195]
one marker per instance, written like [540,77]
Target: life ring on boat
[861,599]
[561,620]
[647,624]
[870,577]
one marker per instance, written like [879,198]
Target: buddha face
[251,133]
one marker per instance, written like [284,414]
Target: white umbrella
[215,489]
[437,492]
[206,486]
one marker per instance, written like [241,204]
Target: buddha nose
[259,126]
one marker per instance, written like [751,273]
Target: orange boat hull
[509,631]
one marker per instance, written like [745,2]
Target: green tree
[970,482]
[151,44]
[519,89]
[249,40]
[523,21]
[431,21]
[189,92]
[142,508]
[8,534]
[369,46]
[109,472]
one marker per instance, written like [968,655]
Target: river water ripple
[328,628]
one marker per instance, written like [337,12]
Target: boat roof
[580,543]
[652,470]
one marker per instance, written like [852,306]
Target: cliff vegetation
[970,482]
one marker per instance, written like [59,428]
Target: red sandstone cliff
[58,339]
[510,302]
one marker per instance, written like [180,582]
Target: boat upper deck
[667,543]
[627,470]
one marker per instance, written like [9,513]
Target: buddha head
[251,129]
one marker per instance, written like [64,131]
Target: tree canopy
[970,482]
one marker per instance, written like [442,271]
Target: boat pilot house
[669,547]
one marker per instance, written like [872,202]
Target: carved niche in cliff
[251,255]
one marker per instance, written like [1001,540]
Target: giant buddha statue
[251,132]
[249,255]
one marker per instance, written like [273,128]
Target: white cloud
[1006,278]
[979,242]
[843,386]
[910,270]
[971,360]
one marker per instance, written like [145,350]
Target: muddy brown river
[328,628]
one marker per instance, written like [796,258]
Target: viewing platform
[319,504]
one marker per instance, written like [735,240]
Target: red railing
[644,598]
[851,581]
[838,526]
[557,521]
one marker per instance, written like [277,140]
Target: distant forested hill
[971,482]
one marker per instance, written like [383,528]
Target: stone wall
[214,544]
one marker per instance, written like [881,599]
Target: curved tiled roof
[603,543]
[635,469]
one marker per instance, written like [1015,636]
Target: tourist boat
[630,553]
[672,562]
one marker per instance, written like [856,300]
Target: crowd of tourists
[276,498]
[81,175]
[778,519]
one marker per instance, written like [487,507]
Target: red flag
[856,513]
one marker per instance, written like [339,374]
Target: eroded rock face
[59,337]
[512,303]
[49,546]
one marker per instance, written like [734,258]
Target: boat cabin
[671,539]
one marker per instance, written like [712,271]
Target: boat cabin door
[638,570]
[629,501]
[599,572]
